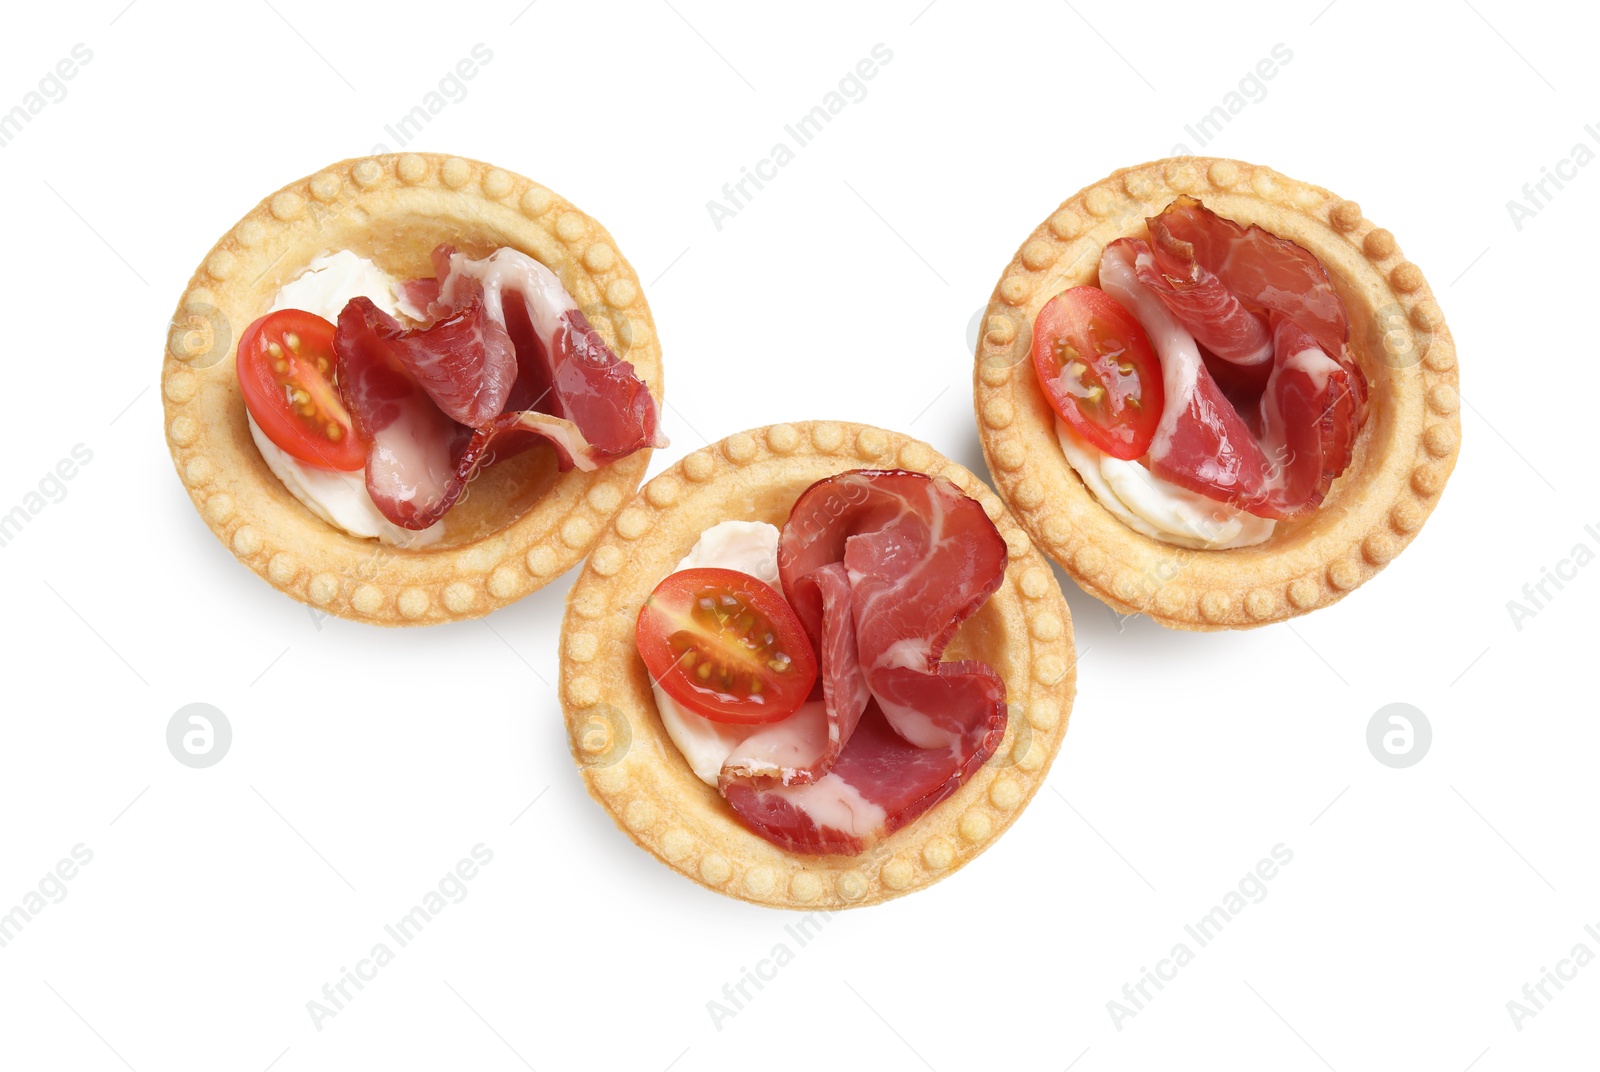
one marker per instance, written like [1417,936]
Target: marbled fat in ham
[464,361]
[1269,274]
[567,370]
[1310,413]
[1201,443]
[1200,301]
[1309,404]
[880,783]
[895,561]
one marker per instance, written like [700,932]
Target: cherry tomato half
[1099,371]
[726,646]
[286,365]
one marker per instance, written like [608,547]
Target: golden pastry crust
[631,766]
[1403,456]
[522,523]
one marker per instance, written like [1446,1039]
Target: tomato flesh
[727,646]
[1099,371]
[286,373]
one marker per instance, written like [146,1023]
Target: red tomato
[1099,371]
[286,364]
[726,646]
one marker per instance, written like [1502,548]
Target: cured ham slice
[915,558]
[506,360]
[566,368]
[1267,273]
[419,460]
[414,446]
[1199,300]
[416,295]
[898,534]
[1310,413]
[880,783]
[1311,406]
[464,361]
[1201,442]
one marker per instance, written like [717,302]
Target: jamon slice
[1267,273]
[1199,300]
[565,368]
[1201,443]
[420,460]
[411,460]
[1310,414]
[880,783]
[464,361]
[919,558]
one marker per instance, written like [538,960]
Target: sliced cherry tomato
[286,373]
[726,646]
[1099,370]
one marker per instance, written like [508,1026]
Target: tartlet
[523,523]
[1403,456]
[630,765]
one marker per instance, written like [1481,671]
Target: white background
[365,763]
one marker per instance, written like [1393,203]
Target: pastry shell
[631,766]
[521,523]
[1403,456]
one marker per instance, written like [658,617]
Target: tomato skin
[708,635]
[1099,371]
[286,363]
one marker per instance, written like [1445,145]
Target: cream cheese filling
[1159,508]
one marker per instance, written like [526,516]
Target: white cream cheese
[339,498]
[1159,508]
[331,280]
[749,547]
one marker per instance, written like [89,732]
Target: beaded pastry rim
[635,772]
[1404,455]
[296,552]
